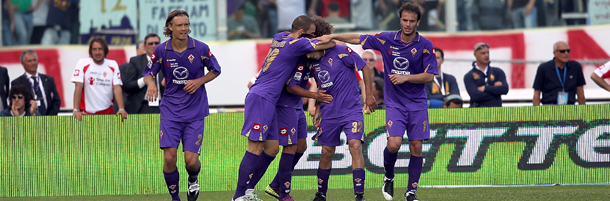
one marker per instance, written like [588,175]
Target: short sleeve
[539,79]
[298,72]
[430,65]
[116,77]
[371,42]
[603,71]
[581,78]
[79,73]
[154,65]
[301,46]
[209,60]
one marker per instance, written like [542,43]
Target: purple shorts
[302,129]
[414,123]
[329,132]
[191,134]
[287,123]
[259,119]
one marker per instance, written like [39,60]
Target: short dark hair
[23,90]
[410,7]
[102,42]
[322,26]
[166,31]
[333,6]
[150,35]
[439,51]
[301,22]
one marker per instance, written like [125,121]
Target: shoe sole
[387,196]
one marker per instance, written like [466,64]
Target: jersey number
[356,126]
[270,57]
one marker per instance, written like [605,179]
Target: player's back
[279,63]
[334,73]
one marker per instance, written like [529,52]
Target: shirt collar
[168,44]
[474,64]
[30,75]
[417,36]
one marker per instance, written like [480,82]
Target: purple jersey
[279,63]
[403,58]
[300,76]
[334,72]
[178,69]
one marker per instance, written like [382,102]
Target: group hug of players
[273,105]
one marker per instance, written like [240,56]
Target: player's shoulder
[84,62]
[424,41]
[385,34]
[111,63]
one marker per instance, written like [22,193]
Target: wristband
[75,110]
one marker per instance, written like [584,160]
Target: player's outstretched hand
[123,114]
[371,104]
[320,96]
[398,79]
[323,39]
[192,85]
[151,93]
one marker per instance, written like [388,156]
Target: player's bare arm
[600,82]
[118,97]
[78,88]
[371,104]
[421,78]
[323,46]
[192,85]
[348,38]
[320,96]
[317,116]
[151,92]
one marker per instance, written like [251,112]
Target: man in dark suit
[4,80]
[133,82]
[41,86]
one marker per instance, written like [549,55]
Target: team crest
[293,130]
[191,57]
[320,181]
[357,180]
[160,133]
[173,187]
[413,51]
[287,184]
[390,123]
[105,73]
[265,128]
[475,76]
[330,61]
[414,184]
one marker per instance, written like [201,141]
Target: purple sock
[285,172]
[275,183]
[389,160]
[358,175]
[245,170]
[259,169]
[193,174]
[323,176]
[415,166]
[172,179]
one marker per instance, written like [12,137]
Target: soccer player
[260,124]
[409,62]
[333,70]
[184,104]
[97,81]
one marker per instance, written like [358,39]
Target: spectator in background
[39,20]
[23,21]
[377,91]
[97,82]
[601,73]
[140,47]
[442,85]
[8,23]
[559,80]
[4,80]
[362,14]
[371,59]
[267,16]
[133,81]
[490,15]
[388,9]
[40,86]
[241,26]
[485,84]
[333,17]
[58,28]
[453,101]
[21,103]
[523,13]
[288,10]
[464,15]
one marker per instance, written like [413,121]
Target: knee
[272,151]
[393,147]
[302,146]
[355,147]
[328,152]
[170,159]
[416,147]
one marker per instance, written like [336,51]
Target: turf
[539,193]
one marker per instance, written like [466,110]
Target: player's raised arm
[348,38]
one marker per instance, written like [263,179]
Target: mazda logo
[324,76]
[181,73]
[401,63]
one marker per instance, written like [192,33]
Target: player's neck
[179,45]
[408,38]
[294,35]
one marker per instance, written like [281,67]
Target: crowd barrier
[59,156]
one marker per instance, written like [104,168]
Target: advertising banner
[114,20]
[202,16]
[468,147]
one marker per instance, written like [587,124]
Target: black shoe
[410,196]
[360,197]
[193,191]
[388,188]
[319,197]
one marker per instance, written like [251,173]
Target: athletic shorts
[260,122]
[190,133]
[413,123]
[329,132]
